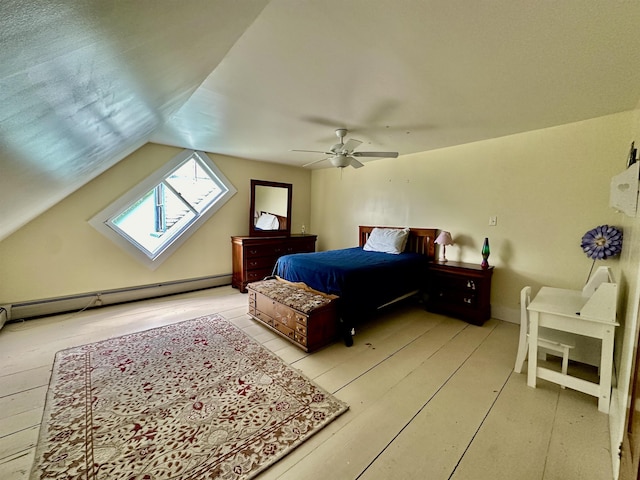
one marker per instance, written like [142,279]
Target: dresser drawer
[301,246]
[256,275]
[253,251]
[255,263]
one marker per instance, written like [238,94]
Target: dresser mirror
[270,214]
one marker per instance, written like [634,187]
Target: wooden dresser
[462,290]
[255,257]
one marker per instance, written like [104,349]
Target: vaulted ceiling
[83,83]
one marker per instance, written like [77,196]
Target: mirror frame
[254,232]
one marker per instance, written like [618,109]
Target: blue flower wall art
[602,242]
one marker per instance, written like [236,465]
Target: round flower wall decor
[602,242]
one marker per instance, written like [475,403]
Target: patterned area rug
[193,400]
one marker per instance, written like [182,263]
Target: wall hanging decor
[601,243]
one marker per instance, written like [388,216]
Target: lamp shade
[444,239]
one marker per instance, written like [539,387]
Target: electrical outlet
[493,221]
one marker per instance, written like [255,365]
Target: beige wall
[547,188]
[59,253]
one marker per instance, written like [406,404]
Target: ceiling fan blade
[355,163]
[376,154]
[314,151]
[314,162]
[351,145]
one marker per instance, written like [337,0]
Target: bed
[365,279]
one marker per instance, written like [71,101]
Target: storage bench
[306,317]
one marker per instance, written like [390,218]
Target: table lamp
[444,239]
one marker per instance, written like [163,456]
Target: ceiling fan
[342,154]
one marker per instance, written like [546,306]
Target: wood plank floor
[430,397]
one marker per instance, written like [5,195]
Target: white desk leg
[606,368]
[533,349]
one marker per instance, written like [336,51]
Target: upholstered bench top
[294,295]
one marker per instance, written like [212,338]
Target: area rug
[193,400]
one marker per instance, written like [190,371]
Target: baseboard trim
[81,301]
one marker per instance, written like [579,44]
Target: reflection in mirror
[270,208]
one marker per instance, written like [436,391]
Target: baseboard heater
[81,301]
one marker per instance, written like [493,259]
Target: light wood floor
[430,397]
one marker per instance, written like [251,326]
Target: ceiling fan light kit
[342,154]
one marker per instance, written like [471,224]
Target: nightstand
[461,290]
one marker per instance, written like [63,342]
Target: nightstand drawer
[458,283]
[457,297]
[460,290]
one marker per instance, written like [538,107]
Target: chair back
[525,300]
[523,342]
[552,343]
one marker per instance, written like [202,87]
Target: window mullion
[184,200]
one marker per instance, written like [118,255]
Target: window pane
[195,184]
[155,219]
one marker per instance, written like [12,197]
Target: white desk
[570,311]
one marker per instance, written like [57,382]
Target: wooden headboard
[420,240]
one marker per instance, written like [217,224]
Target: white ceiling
[83,83]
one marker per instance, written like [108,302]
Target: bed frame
[421,240]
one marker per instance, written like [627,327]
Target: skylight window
[154,218]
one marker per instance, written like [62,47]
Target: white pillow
[387,240]
[267,221]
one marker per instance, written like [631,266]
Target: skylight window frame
[103,220]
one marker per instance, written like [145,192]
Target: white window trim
[100,220]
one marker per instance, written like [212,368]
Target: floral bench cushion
[297,296]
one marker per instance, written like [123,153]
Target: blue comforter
[364,280]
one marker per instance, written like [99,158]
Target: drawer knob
[471,284]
